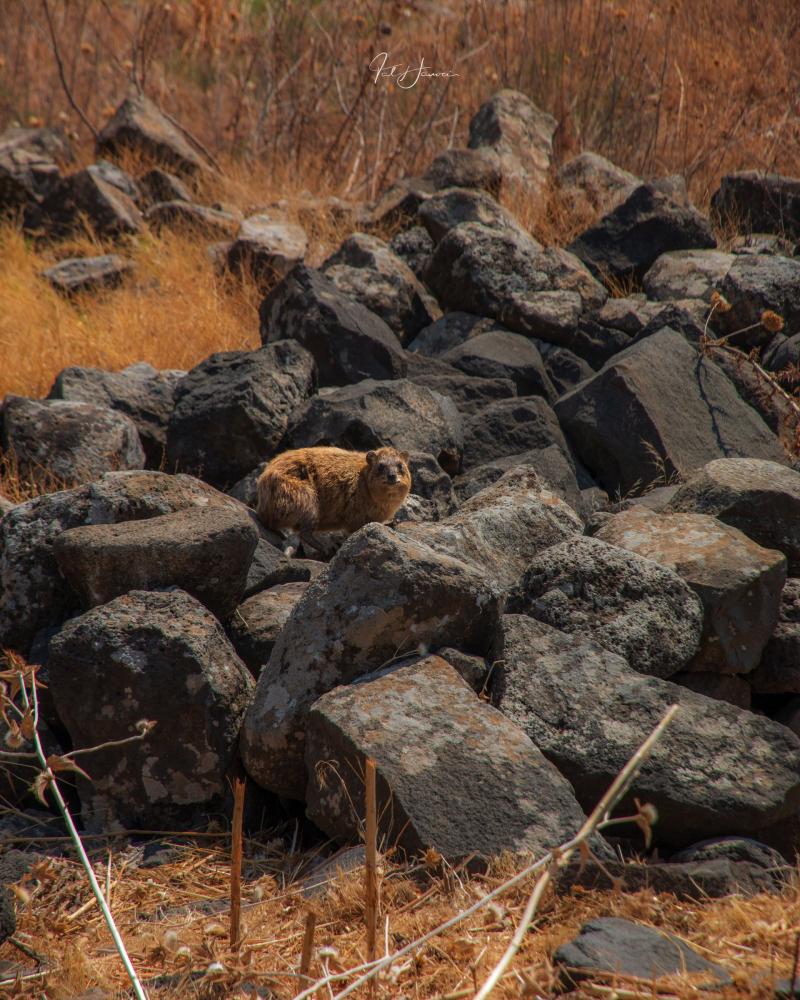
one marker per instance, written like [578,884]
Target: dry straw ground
[278,90]
[173,933]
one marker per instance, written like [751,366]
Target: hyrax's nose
[393,477]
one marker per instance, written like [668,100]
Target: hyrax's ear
[405,456]
[371,457]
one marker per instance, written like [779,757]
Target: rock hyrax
[330,489]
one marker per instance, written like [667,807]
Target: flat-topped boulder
[207,553]
[461,778]
[738,581]
[156,656]
[760,498]
[61,442]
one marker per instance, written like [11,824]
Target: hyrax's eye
[382,467]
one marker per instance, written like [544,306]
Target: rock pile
[604,519]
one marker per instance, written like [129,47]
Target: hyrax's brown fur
[330,489]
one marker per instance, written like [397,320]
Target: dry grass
[173,938]
[696,87]
[173,314]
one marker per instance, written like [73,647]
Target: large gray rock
[687,274]
[756,283]
[455,774]
[717,769]
[509,427]
[630,313]
[658,409]
[87,274]
[550,464]
[596,181]
[157,656]
[267,248]
[87,196]
[207,553]
[521,135]
[348,341]
[414,247]
[383,594]
[466,168]
[28,170]
[629,604]
[779,670]
[506,275]
[565,368]
[161,185]
[232,410]
[759,203]
[195,220]
[738,582]
[626,242]
[66,441]
[366,270]
[34,594]
[501,528]
[450,331]
[453,206]
[373,414]
[760,498]
[259,620]
[139,391]
[619,947]
[468,392]
[501,354]
[139,125]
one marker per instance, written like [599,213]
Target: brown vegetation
[696,87]
[281,92]
[171,931]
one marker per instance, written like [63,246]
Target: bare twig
[144,727]
[371,864]
[61,74]
[236,863]
[193,140]
[308,944]
[138,989]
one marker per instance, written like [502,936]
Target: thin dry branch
[138,989]
[61,75]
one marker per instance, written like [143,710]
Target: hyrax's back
[328,489]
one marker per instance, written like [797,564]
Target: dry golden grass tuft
[172,313]
[174,920]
